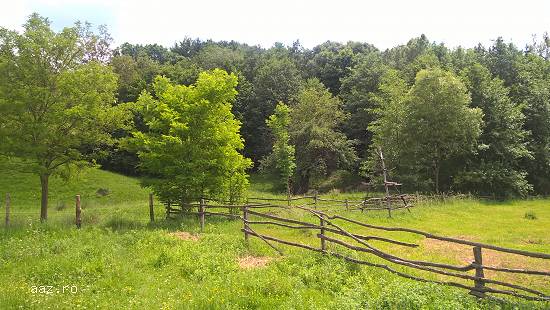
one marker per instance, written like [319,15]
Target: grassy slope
[25,189]
[121,261]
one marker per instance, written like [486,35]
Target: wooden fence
[202,207]
[331,231]
[388,203]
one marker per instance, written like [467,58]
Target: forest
[490,135]
[453,120]
[221,175]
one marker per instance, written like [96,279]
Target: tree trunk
[288,187]
[436,176]
[44,201]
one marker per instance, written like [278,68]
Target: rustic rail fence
[388,203]
[77,213]
[200,207]
[330,232]
[332,236]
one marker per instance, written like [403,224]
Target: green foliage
[56,97]
[508,84]
[356,72]
[276,79]
[496,168]
[357,94]
[436,122]
[192,139]
[330,62]
[215,56]
[388,126]
[282,158]
[533,92]
[320,147]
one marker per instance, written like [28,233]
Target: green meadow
[119,260]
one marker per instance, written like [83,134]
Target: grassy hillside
[25,188]
[119,260]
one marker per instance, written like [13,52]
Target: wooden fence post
[323,241]
[347,205]
[386,182]
[168,208]
[245,224]
[315,199]
[151,210]
[479,284]
[8,202]
[201,214]
[78,213]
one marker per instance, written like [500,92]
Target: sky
[384,23]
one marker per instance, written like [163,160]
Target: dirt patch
[464,255]
[183,235]
[461,253]
[251,262]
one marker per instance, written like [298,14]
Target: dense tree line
[345,98]
[464,120]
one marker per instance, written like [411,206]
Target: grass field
[120,261]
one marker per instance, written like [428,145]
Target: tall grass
[119,260]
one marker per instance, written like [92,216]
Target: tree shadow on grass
[122,224]
[178,223]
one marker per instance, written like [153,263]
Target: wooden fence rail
[387,203]
[481,284]
[330,231]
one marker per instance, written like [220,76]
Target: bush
[340,179]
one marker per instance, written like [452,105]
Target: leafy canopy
[192,141]
[432,122]
[320,147]
[496,166]
[282,157]
[56,97]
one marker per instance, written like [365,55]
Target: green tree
[435,124]
[501,60]
[276,79]
[331,61]
[495,168]
[282,157]
[533,92]
[56,98]
[387,127]
[191,143]
[320,147]
[357,94]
